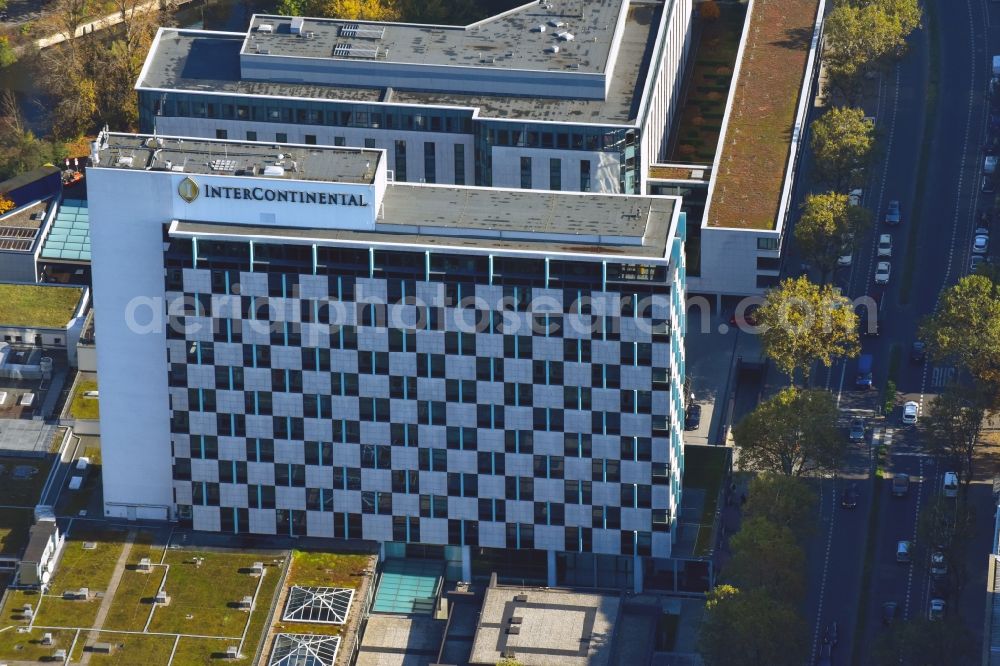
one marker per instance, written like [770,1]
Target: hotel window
[221,134]
[310,139]
[430,163]
[555,174]
[400,172]
[281,137]
[339,141]
[459,164]
[526,173]
[369,142]
[251,136]
[584,175]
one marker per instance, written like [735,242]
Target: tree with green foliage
[366,10]
[20,149]
[749,628]
[791,433]
[923,642]
[8,56]
[802,323]
[841,141]
[954,423]
[829,227]
[767,557]
[861,35]
[965,330]
[783,500]
[948,527]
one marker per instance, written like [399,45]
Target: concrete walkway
[109,595]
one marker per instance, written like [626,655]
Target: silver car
[882,272]
[885,245]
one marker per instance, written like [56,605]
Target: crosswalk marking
[942,376]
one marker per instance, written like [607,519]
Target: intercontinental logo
[189,190]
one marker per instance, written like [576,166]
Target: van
[903,551]
[864,379]
[950,484]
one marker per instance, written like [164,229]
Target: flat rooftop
[757,141]
[517,39]
[38,306]
[19,228]
[486,218]
[209,62]
[545,627]
[219,157]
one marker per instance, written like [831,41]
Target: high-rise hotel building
[292,343]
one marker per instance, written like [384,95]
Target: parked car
[854,197]
[910,410]
[904,552]
[949,485]
[849,500]
[885,245]
[892,215]
[846,258]
[980,243]
[692,418]
[976,261]
[882,272]
[889,612]
[918,352]
[936,611]
[857,430]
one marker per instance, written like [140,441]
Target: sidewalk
[109,595]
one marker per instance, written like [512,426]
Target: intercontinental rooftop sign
[189,190]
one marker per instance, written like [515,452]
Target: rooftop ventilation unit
[557,24]
[538,28]
[124,161]
[297,24]
[274,170]
[342,50]
[222,165]
[552,49]
[265,28]
[566,36]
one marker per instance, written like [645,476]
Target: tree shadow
[796,39]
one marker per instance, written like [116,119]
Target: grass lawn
[135,592]
[200,651]
[130,650]
[14,524]
[15,646]
[318,569]
[705,469]
[17,489]
[261,619]
[41,306]
[83,407]
[201,595]
[82,568]
[708,88]
[758,139]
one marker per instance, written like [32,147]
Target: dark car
[825,655]
[849,499]
[692,419]
[918,352]
[888,612]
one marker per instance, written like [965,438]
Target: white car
[846,258]
[910,412]
[885,245]
[937,610]
[854,197]
[980,243]
[882,272]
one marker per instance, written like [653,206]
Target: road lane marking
[913,564]
[826,561]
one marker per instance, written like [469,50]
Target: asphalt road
[966,33]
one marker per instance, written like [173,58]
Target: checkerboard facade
[406,396]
